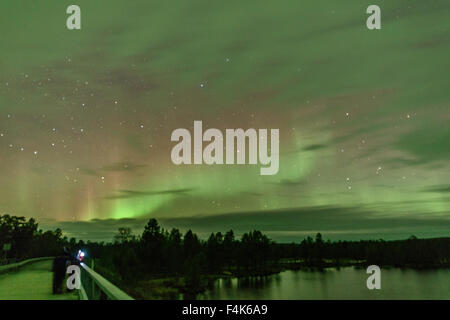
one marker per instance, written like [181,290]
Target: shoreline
[174,287]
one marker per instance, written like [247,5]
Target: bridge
[32,280]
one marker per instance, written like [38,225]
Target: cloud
[283,225]
[313,147]
[114,167]
[439,188]
[290,182]
[96,229]
[440,40]
[333,222]
[125,194]
[427,143]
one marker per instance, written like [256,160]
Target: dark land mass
[162,264]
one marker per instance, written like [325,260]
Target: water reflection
[343,283]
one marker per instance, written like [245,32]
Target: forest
[162,263]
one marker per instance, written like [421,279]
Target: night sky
[86,116]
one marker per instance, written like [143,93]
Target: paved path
[31,282]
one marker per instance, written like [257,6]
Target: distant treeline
[158,252]
[26,240]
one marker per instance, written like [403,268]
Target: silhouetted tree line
[413,252]
[26,240]
[157,252]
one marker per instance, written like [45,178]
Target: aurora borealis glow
[86,115]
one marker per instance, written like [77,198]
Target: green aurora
[86,115]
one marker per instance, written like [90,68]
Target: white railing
[95,287]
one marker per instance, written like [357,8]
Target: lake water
[343,283]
